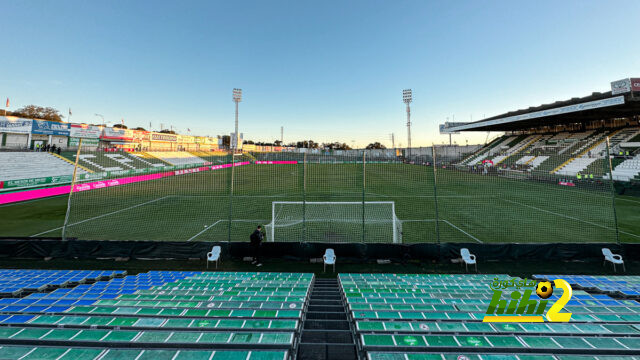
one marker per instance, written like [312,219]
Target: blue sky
[326,70]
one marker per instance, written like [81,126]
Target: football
[544,289]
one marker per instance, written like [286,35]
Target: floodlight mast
[407,97]
[237,97]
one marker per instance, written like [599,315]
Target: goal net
[334,221]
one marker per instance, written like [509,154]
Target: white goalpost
[334,221]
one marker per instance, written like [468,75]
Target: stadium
[122,242]
[565,171]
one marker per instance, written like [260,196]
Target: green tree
[226,141]
[375,145]
[39,112]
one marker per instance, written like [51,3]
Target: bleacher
[564,153]
[107,161]
[515,147]
[404,316]
[28,165]
[490,149]
[575,166]
[624,286]
[17,282]
[177,157]
[627,169]
[160,315]
[589,155]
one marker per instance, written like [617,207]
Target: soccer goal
[334,221]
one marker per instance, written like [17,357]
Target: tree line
[51,114]
[310,144]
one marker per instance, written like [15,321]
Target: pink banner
[276,162]
[123,181]
[33,194]
[191,171]
[566,183]
[216,167]
[61,190]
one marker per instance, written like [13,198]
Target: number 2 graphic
[554,314]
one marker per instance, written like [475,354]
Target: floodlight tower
[407,98]
[237,97]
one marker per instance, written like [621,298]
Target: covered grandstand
[565,138]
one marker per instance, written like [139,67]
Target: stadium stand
[18,282]
[620,286]
[104,161]
[177,157]
[27,165]
[564,153]
[627,170]
[405,316]
[491,149]
[231,315]
[211,156]
[515,147]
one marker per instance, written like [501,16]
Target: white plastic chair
[613,259]
[468,258]
[214,255]
[329,258]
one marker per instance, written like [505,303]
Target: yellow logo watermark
[520,308]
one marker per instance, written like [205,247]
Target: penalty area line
[569,217]
[448,223]
[257,221]
[205,229]
[103,215]
[462,231]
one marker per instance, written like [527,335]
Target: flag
[189,130]
[7,102]
[70,112]
[122,120]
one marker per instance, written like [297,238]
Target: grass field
[198,207]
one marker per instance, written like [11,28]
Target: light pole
[102,117]
[237,97]
[407,97]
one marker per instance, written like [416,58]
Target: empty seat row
[68,353]
[443,316]
[130,317]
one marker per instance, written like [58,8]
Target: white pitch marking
[569,217]
[207,228]
[103,215]
[462,231]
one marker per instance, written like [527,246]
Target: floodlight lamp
[237,95]
[407,96]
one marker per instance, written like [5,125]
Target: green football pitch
[218,206]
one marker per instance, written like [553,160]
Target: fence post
[233,159]
[73,184]
[304,198]
[613,194]
[364,184]
[435,192]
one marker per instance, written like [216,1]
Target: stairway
[326,332]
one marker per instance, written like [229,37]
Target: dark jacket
[256,237]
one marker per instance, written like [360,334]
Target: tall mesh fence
[440,194]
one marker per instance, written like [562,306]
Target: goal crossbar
[393,220]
